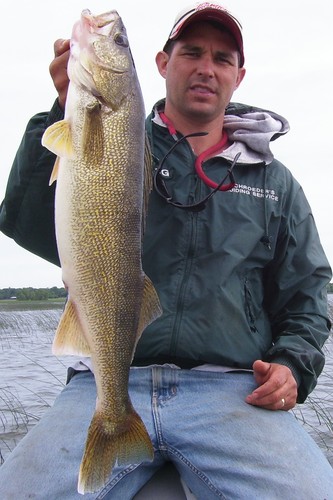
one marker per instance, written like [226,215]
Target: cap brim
[219,16]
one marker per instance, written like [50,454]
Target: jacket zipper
[193,221]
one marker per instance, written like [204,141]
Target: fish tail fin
[125,442]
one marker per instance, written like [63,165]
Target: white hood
[251,134]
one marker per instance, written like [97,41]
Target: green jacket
[241,280]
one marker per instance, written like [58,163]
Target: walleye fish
[101,200]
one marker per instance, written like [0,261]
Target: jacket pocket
[250,309]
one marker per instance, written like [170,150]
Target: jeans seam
[111,484]
[160,443]
[197,472]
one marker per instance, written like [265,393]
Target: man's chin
[203,111]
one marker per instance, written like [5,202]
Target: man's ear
[241,74]
[161,60]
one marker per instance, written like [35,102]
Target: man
[241,276]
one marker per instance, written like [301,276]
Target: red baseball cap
[207,11]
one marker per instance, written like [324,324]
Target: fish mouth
[102,28]
[102,22]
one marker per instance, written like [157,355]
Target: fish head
[100,58]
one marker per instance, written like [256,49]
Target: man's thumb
[261,367]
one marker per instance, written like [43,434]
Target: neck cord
[203,156]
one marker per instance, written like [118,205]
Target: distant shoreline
[30,305]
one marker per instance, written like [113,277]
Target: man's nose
[206,66]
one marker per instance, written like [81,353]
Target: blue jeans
[221,446]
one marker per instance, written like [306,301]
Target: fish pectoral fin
[69,338]
[127,442]
[58,139]
[150,307]
[93,135]
[54,174]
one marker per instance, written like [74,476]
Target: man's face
[201,73]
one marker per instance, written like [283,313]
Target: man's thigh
[225,448]
[45,463]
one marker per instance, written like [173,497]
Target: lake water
[31,376]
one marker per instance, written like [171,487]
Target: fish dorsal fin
[147,181]
[54,174]
[150,306]
[58,139]
[69,337]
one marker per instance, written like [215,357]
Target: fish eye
[121,40]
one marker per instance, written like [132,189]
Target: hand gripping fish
[103,173]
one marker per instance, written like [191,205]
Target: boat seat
[164,485]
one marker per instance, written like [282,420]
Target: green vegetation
[52,293]
[32,293]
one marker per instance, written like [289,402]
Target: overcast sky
[288,56]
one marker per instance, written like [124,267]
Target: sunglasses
[162,191]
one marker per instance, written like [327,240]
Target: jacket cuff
[55,114]
[286,362]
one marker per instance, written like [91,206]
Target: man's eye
[223,59]
[192,54]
